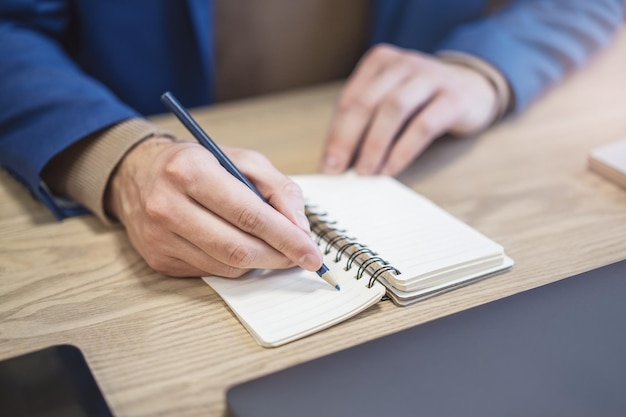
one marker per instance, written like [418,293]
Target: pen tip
[325,274]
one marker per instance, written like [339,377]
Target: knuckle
[339,148]
[159,264]
[230,272]
[257,157]
[291,188]
[180,168]
[344,104]
[382,51]
[425,64]
[376,149]
[451,95]
[364,103]
[249,219]
[413,58]
[423,128]
[355,101]
[252,159]
[395,104]
[455,103]
[156,208]
[247,154]
[458,101]
[240,256]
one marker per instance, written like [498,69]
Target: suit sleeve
[47,102]
[535,44]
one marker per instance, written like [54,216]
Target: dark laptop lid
[556,350]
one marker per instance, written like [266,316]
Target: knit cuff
[504,96]
[82,171]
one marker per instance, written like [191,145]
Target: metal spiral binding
[379,272]
[344,248]
[354,255]
[331,242]
[367,260]
[364,265]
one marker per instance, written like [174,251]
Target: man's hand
[187,216]
[396,103]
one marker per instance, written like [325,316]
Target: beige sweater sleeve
[82,171]
[503,91]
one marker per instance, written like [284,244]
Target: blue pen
[185,118]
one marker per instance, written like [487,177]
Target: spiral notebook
[379,238]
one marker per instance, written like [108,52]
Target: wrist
[498,81]
[485,93]
[125,172]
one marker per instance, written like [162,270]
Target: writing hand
[187,216]
[396,103]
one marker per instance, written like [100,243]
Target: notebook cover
[556,350]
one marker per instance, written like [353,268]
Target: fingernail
[331,164]
[303,221]
[309,262]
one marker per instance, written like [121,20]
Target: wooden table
[161,346]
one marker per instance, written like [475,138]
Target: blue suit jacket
[71,67]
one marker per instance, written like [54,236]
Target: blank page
[278,307]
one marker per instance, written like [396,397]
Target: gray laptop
[556,350]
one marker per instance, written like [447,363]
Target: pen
[185,118]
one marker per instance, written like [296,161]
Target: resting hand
[396,103]
[187,216]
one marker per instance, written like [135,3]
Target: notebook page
[437,287]
[409,231]
[279,306]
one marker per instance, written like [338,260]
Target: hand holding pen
[203,138]
[188,216]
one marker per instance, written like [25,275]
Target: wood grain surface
[161,346]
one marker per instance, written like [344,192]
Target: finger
[395,110]
[248,213]
[381,72]
[281,192]
[175,267]
[346,130]
[182,258]
[438,115]
[221,193]
[383,64]
[154,244]
[170,254]
[215,240]
[286,197]
[213,235]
